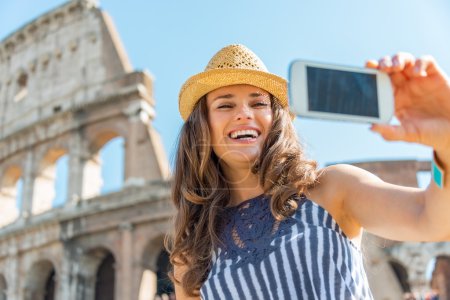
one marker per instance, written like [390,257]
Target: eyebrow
[228,96]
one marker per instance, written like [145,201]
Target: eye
[224,106]
[261,104]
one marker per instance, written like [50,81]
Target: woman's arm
[387,210]
[422,105]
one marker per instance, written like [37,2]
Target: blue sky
[175,39]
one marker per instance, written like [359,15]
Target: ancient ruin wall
[68,88]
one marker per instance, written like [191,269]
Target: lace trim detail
[248,230]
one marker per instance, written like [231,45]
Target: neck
[243,184]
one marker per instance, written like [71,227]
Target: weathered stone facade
[67,88]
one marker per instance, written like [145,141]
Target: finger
[424,66]
[385,64]
[398,79]
[390,132]
[372,64]
[420,68]
[402,60]
[407,131]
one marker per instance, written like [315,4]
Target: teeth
[251,132]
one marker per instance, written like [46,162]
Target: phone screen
[343,92]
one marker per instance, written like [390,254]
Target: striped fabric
[306,257]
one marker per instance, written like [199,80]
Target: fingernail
[416,69]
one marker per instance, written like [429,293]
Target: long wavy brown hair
[200,191]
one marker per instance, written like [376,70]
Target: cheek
[267,121]
[215,129]
[267,124]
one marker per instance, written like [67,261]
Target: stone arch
[94,265]
[112,156]
[105,279]
[10,192]
[102,138]
[61,183]
[41,281]
[155,266]
[440,280]
[98,134]
[44,191]
[93,180]
[402,275]
[3,288]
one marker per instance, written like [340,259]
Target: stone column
[28,185]
[75,178]
[12,272]
[144,156]
[133,165]
[65,278]
[125,280]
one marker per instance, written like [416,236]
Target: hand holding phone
[334,92]
[422,101]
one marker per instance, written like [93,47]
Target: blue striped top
[305,256]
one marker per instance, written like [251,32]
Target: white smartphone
[326,91]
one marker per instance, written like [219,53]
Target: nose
[244,112]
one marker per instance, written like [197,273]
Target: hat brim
[201,84]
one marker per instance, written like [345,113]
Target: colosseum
[67,91]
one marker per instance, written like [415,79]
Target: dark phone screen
[342,92]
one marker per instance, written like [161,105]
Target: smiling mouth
[244,135]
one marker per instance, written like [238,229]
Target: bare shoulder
[329,188]
[342,177]
[325,192]
[334,185]
[336,181]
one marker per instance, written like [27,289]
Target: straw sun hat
[233,64]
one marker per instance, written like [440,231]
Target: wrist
[443,159]
[439,168]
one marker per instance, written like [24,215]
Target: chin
[241,158]
[238,154]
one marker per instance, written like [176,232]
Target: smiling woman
[239,119]
[245,122]
[256,219]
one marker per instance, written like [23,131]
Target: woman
[257,220]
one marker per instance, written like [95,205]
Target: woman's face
[239,118]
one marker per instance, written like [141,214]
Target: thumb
[391,132]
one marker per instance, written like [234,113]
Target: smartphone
[326,91]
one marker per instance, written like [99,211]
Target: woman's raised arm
[422,105]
